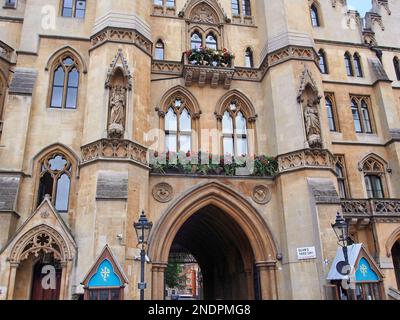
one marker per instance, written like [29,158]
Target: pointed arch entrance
[228,237]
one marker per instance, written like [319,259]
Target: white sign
[306,253]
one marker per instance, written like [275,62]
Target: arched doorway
[396,261]
[228,238]
[223,253]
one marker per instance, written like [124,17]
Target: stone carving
[307,158]
[313,125]
[40,239]
[163,192]
[122,36]
[117,113]
[119,81]
[309,99]
[109,149]
[203,14]
[44,214]
[262,194]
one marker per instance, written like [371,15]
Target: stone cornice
[121,35]
[175,68]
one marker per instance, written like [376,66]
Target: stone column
[62,284]
[11,280]
[157,282]
[268,285]
[250,284]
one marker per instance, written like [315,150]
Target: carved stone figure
[117,112]
[312,124]
[203,14]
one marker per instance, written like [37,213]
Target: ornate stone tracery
[42,238]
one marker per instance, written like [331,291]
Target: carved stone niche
[118,83]
[309,99]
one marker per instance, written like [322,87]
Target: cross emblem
[105,273]
[363,269]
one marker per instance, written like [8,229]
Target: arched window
[249,63]
[396,65]
[374,172]
[331,114]
[356,116]
[234,131]
[65,84]
[357,65]
[178,127]
[55,180]
[246,8]
[341,181]
[348,64]
[366,117]
[211,41]
[159,50]
[314,16]
[73,8]
[235,7]
[323,66]
[196,40]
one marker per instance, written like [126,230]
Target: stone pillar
[250,284]
[157,281]
[63,275]
[268,284]
[11,280]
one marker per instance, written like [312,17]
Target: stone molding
[120,35]
[114,149]
[306,159]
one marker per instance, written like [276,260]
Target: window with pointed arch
[55,180]
[159,52]
[357,65]
[178,126]
[349,64]
[331,112]
[211,41]
[65,83]
[323,65]
[341,173]
[196,40]
[235,7]
[396,65]
[248,58]
[234,130]
[315,19]
[360,108]
[374,176]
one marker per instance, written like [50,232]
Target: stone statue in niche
[116,123]
[312,123]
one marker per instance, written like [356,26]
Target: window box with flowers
[206,164]
[205,65]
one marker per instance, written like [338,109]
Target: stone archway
[40,240]
[238,212]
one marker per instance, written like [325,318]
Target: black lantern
[143,228]
[341,229]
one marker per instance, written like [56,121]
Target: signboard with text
[306,253]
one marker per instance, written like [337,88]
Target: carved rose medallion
[163,192]
[262,194]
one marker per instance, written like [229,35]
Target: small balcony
[208,66]
[363,211]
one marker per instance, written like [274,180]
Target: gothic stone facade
[87,88]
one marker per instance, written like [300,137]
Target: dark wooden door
[40,293]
